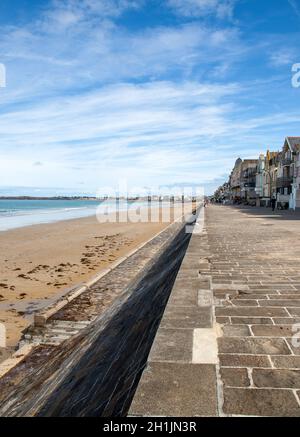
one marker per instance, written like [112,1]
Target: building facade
[293,144]
[248,180]
[274,175]
[235,181]
[260,179]
[288,176]
[270,177]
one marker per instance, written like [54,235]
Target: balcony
[286,162]
[249,175]
[284,182]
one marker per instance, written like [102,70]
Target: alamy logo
[2,335]
[296,76]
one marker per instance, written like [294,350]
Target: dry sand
[39,263]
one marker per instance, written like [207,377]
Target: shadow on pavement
[263,212]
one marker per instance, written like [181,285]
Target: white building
[294,144]
[288,175]
[259,184]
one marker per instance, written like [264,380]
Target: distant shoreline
[48,198]
[100,199]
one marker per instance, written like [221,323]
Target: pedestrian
[273,203]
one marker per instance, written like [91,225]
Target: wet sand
[39,263]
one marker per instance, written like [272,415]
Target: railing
[249,174]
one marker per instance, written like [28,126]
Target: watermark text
[121,204]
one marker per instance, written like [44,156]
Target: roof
[248,163]
[293,143]
[271,155]
[238,162]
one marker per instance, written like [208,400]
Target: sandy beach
[39,263]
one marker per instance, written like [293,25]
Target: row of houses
[274,175]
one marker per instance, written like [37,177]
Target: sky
[151,92]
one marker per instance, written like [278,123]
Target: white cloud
[65,13]
[200,8]
[159,132]
[138,132]
[93,54]
[283,57]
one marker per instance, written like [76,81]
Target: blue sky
[155,92]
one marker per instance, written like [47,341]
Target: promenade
[224,346]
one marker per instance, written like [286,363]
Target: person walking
[273,203]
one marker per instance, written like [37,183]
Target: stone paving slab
[237,360]
[260,402]
[205,346]
[186,317]
[256,346]
[172,345]
[181,298]
[180,390]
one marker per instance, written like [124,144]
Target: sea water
[19,213]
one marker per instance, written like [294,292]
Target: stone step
[55,332]
[68,324]
[66,331]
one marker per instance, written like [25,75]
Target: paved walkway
[248,259]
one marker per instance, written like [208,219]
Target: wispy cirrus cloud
[93,54]
[283,57]
[67,13]
[200,8]
[159,131]
[296,6]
